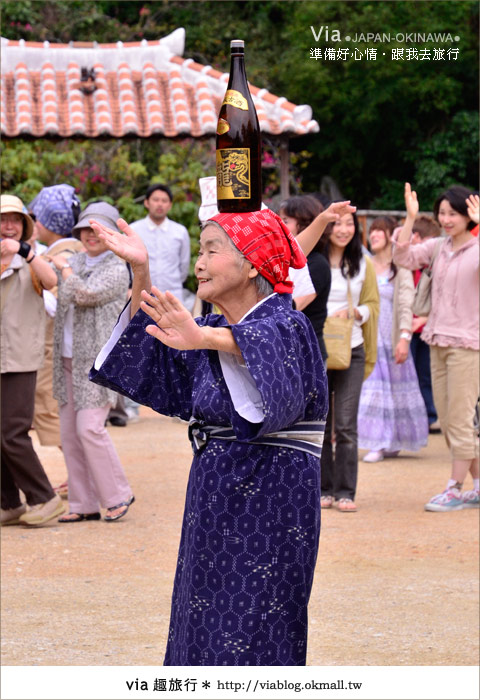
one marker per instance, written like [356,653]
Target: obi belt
[306,436]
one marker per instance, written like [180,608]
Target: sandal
[326,501]
[78,517]
[61,490]
[125,505]
[346,505]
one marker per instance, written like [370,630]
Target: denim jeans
[340,466]
[421,357]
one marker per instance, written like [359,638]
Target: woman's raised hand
[309,237]
[127,245]
[473,203]
[338,209]
[174,325]
[411,201]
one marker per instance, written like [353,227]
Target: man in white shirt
[167,242]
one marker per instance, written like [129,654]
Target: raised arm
[411,205]
[129,246]
[175,327]
[473,206]
[309,237]
[413,257]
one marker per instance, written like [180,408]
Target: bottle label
[233,173]
[236,99]
[223,126]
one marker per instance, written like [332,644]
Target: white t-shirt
[338,298]
[302,282]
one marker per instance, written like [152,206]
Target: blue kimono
[252,514]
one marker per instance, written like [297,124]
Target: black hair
[162,188]
[456,197]
[352,254]
[303,208]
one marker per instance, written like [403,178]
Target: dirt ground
[394,585]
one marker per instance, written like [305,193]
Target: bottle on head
[239,145]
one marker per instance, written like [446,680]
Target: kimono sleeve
[283,357]
[142,368]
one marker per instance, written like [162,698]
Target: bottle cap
[237,43]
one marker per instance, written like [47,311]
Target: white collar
[153,226]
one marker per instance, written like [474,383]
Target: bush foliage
[382,122]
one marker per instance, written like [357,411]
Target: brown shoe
[11,516]
[42,513]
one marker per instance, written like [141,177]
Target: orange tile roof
[137,89]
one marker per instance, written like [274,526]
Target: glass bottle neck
[237,68]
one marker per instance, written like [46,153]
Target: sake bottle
[238,144]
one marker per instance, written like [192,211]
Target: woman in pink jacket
[452,332]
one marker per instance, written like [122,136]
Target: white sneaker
[42,513]
[374,456]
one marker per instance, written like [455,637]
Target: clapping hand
[473,203]
[411,201]
[127,245]
[174,325]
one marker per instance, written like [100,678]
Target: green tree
[376,116]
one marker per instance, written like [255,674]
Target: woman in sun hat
[23,277]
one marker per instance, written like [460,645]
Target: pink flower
[144,11]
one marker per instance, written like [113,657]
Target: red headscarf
[267,243]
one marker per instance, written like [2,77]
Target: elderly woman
[55,210]
[252,384]
[92,291]
[23,278]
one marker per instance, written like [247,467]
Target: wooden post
[284,169]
